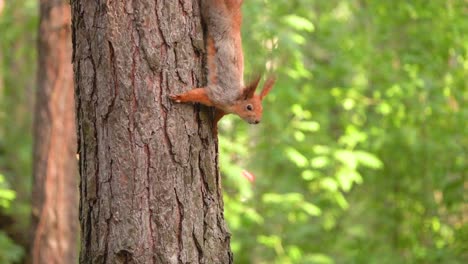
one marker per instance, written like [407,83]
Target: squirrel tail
[211,53]
[220,7]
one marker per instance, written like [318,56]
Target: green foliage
[6,195]
[18,26]
[361,154]
[10,252]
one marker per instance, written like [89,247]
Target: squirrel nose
[256,121]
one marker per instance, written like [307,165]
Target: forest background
[362,153]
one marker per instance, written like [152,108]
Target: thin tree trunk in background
[150,186]
[55,187]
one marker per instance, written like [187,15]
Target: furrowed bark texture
[150,187]
[55,179]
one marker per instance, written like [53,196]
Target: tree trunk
[55,179]
[150,185]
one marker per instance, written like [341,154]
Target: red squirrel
[225,89]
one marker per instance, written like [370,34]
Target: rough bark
[55,179]
[150,186]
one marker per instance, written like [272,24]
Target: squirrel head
[249,104]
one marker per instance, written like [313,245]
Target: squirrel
[225,89]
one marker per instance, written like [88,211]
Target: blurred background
[361,156]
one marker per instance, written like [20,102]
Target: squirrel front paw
[176,98]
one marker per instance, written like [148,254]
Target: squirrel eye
[249,107]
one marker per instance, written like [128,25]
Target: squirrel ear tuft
[249,90]
[267,86]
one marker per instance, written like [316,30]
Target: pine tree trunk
[55,179]
[150,186]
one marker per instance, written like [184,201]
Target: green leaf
[368,160]
[311,209]
[295,156]
[310,126]
[320,162]
[347,158]
[299,23]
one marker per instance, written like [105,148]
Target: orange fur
[197,95]
[225,89]
[267,86]
[218,116]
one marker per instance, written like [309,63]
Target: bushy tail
[220,16]
[233,4]
[220,7]
[228,3]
